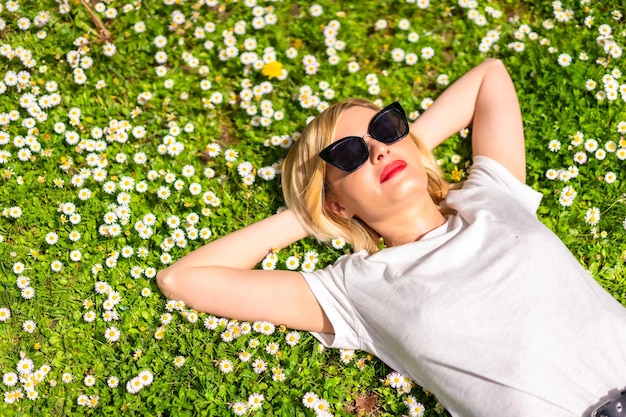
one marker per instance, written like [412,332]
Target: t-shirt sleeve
[487,172]
[329,287]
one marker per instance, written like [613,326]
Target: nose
[378,150]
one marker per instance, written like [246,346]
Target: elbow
[166,281]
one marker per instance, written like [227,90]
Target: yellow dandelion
[272,69]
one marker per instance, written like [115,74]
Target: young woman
[472,297]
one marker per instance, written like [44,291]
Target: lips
[391,170]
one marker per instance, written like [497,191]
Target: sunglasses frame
[327,153]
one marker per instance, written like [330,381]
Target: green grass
[42,169]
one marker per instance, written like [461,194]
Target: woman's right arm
[217,278]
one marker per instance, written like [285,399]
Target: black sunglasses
[387,126]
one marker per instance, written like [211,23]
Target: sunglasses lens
[389,127]
[348,154]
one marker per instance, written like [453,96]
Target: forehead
[354,122]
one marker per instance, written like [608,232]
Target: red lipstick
[391,170]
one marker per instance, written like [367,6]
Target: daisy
[267,328]
[102,287]
[395,379]
[426,103]
[226,366]
[52,238]
[591,145]
[109,49]
[89,316]
[211,322]
[292,338]
[353,66]
[416,409]
[89,381]
[163,193]
[277,374]
[605,30]
[592,217]
[292,263]
[398,54]
[82,400]
[551,174]
[443,79]
[245,356]
[28,293]
[269,263]
[29,326]
[321,405]
[316,10]
[22,282]
[5,314]
[577,138]
[554,145]
[373,89]
[18,268]
[567,196]
[310,399]
[146,377]
[610,177]
[179,361]
[308,266]
[112,334]
[134,385]
[564,60]
[192,316]
[255,400]
[259,366]
[239,408]
[113,382]
[15,212]
[25,366]
[346,355]
[230,155]
[272,348]
[580,157]
[428,53]
[159,333]
[10,379]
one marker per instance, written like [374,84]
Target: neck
[411,225]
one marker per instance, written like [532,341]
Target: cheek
[351,190]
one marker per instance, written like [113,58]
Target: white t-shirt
[490,311]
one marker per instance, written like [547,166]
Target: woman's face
[391,178]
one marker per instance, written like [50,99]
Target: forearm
[454,109]
[246,247]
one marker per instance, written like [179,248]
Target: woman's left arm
[485,99]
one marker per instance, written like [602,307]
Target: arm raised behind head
[485,99]
[217,278]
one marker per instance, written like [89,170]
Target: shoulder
[488,177]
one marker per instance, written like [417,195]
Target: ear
[336,208]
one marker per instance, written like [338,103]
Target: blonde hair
[304,181]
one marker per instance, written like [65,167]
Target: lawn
[133,132]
